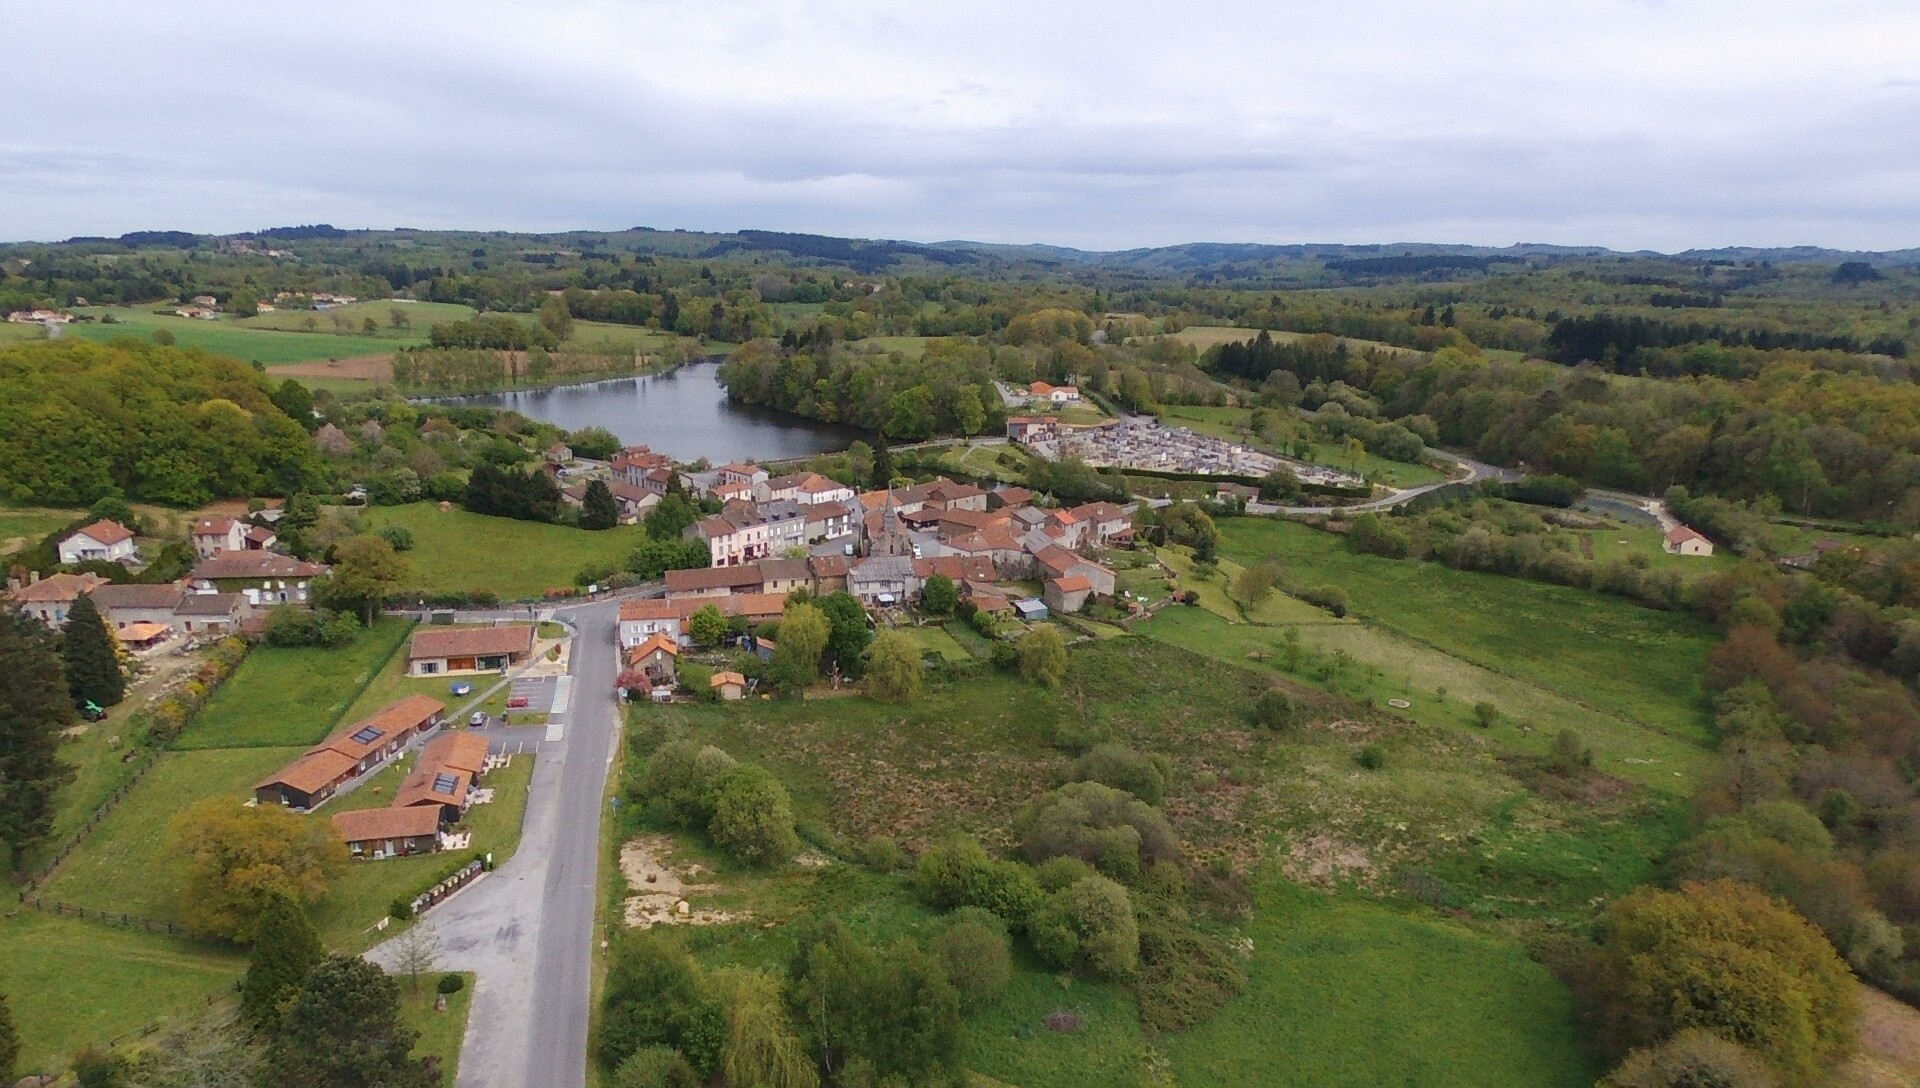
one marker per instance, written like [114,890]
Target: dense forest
[80,421]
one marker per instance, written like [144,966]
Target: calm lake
[684,414]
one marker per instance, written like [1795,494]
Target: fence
[147,759]
[109,917]
[428,899]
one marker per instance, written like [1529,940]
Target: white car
[478,719]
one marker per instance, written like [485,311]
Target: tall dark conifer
[93,668]
[287,950]
[34,708]
[597,508]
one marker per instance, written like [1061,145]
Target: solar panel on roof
[367,735]
[444,783]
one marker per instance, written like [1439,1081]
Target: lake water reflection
[685,414]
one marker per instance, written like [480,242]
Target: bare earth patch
[1325,861]
[1889,1045]
[663,891]
[361,368]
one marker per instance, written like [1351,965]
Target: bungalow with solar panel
[357,750]
[445,775]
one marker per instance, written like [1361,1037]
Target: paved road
[526,930]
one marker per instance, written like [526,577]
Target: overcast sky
[1662,124]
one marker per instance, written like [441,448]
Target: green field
[421,317]
[1344,991]
[1632,662]
[123,864]
[1348,994]
[936,640]
[1203,337]
[229,337]
[457,551]
[1633,542]
[76,984]
[23,528]
[293,696]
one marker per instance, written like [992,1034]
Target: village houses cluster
[777,534]
[238,577]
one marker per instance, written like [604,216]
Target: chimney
[32,577]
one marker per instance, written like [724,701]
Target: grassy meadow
[458,551]
[1350,995]
[441,1031]
[1353,979]
[1632,662]
[226,336]
[285,696]
[76,984]
[420,318]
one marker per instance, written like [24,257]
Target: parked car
[479,718]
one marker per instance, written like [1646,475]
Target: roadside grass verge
[76,984]
[462,552]
[441,1032]
[123,864]
[1633,662]
[293,695]
[1352,994]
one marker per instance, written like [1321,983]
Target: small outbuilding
[1681,540]
[729,685]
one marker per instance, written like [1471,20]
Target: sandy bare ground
[363,368]
[664,894]
[1889,1045]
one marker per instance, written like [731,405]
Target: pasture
[418,318]
[76,984]
[458,552]
[227,336]
[1632,662]
[1450,999]
[284,696]
[1351,995]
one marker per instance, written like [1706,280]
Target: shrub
[1726,958]
[1570,754]
[450,983]
[1057,873]
[654,997]
[1043,656]
[1274,709]
[977,956]
[1372,757]
[753,816]
[1088,924]
[1331,598]
[401,908]
[960,873]
[1186,973]
[1107,828]
[883,855]
[1692,1059]
[680,778]
[1485,715]
[1144,776]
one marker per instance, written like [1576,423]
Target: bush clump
[1144,776]
[1112,830]
[1088,924]
[960,873]
[450,983]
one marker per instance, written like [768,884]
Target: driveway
[526,929]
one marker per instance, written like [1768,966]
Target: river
[684,414]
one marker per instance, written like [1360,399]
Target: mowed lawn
[76,984]
[1633,662]
[293,695]
[441,1030]
[124,865]
[228,337]
[459,552]
[1351,995]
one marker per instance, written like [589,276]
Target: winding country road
[526,929]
